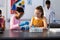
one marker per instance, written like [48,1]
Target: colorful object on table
[22,28]
[27,23]
[24,25]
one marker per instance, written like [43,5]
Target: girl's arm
[3,26]
[12,25]
[31,23]
[45,22]
[3,23]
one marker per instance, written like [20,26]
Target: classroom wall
[56,6]
[29,9]
[3,7]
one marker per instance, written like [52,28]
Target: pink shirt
[1,21]
[14,23]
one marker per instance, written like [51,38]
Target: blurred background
[29,6]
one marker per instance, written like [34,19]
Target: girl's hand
[30,25]
[2,25]
[45,28]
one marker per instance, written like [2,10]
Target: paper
[55,30]
[36,30]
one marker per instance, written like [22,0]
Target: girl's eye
[37,13]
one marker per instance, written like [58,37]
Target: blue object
[25,28]
[24,25]
[22,28]
[27,23]
[19,0]
[14,7]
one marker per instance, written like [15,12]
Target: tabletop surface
[18,34]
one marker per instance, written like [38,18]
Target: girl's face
[48,6]
[18,15]
[37,13]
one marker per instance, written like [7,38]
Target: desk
[28,35]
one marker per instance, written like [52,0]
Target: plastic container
[36,29]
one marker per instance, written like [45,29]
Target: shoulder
[2,17]
[12,17]
[44,18]
[33,17]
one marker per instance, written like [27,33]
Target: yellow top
[37,22]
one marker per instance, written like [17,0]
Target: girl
[39,20]
[2,22]
[15,20]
